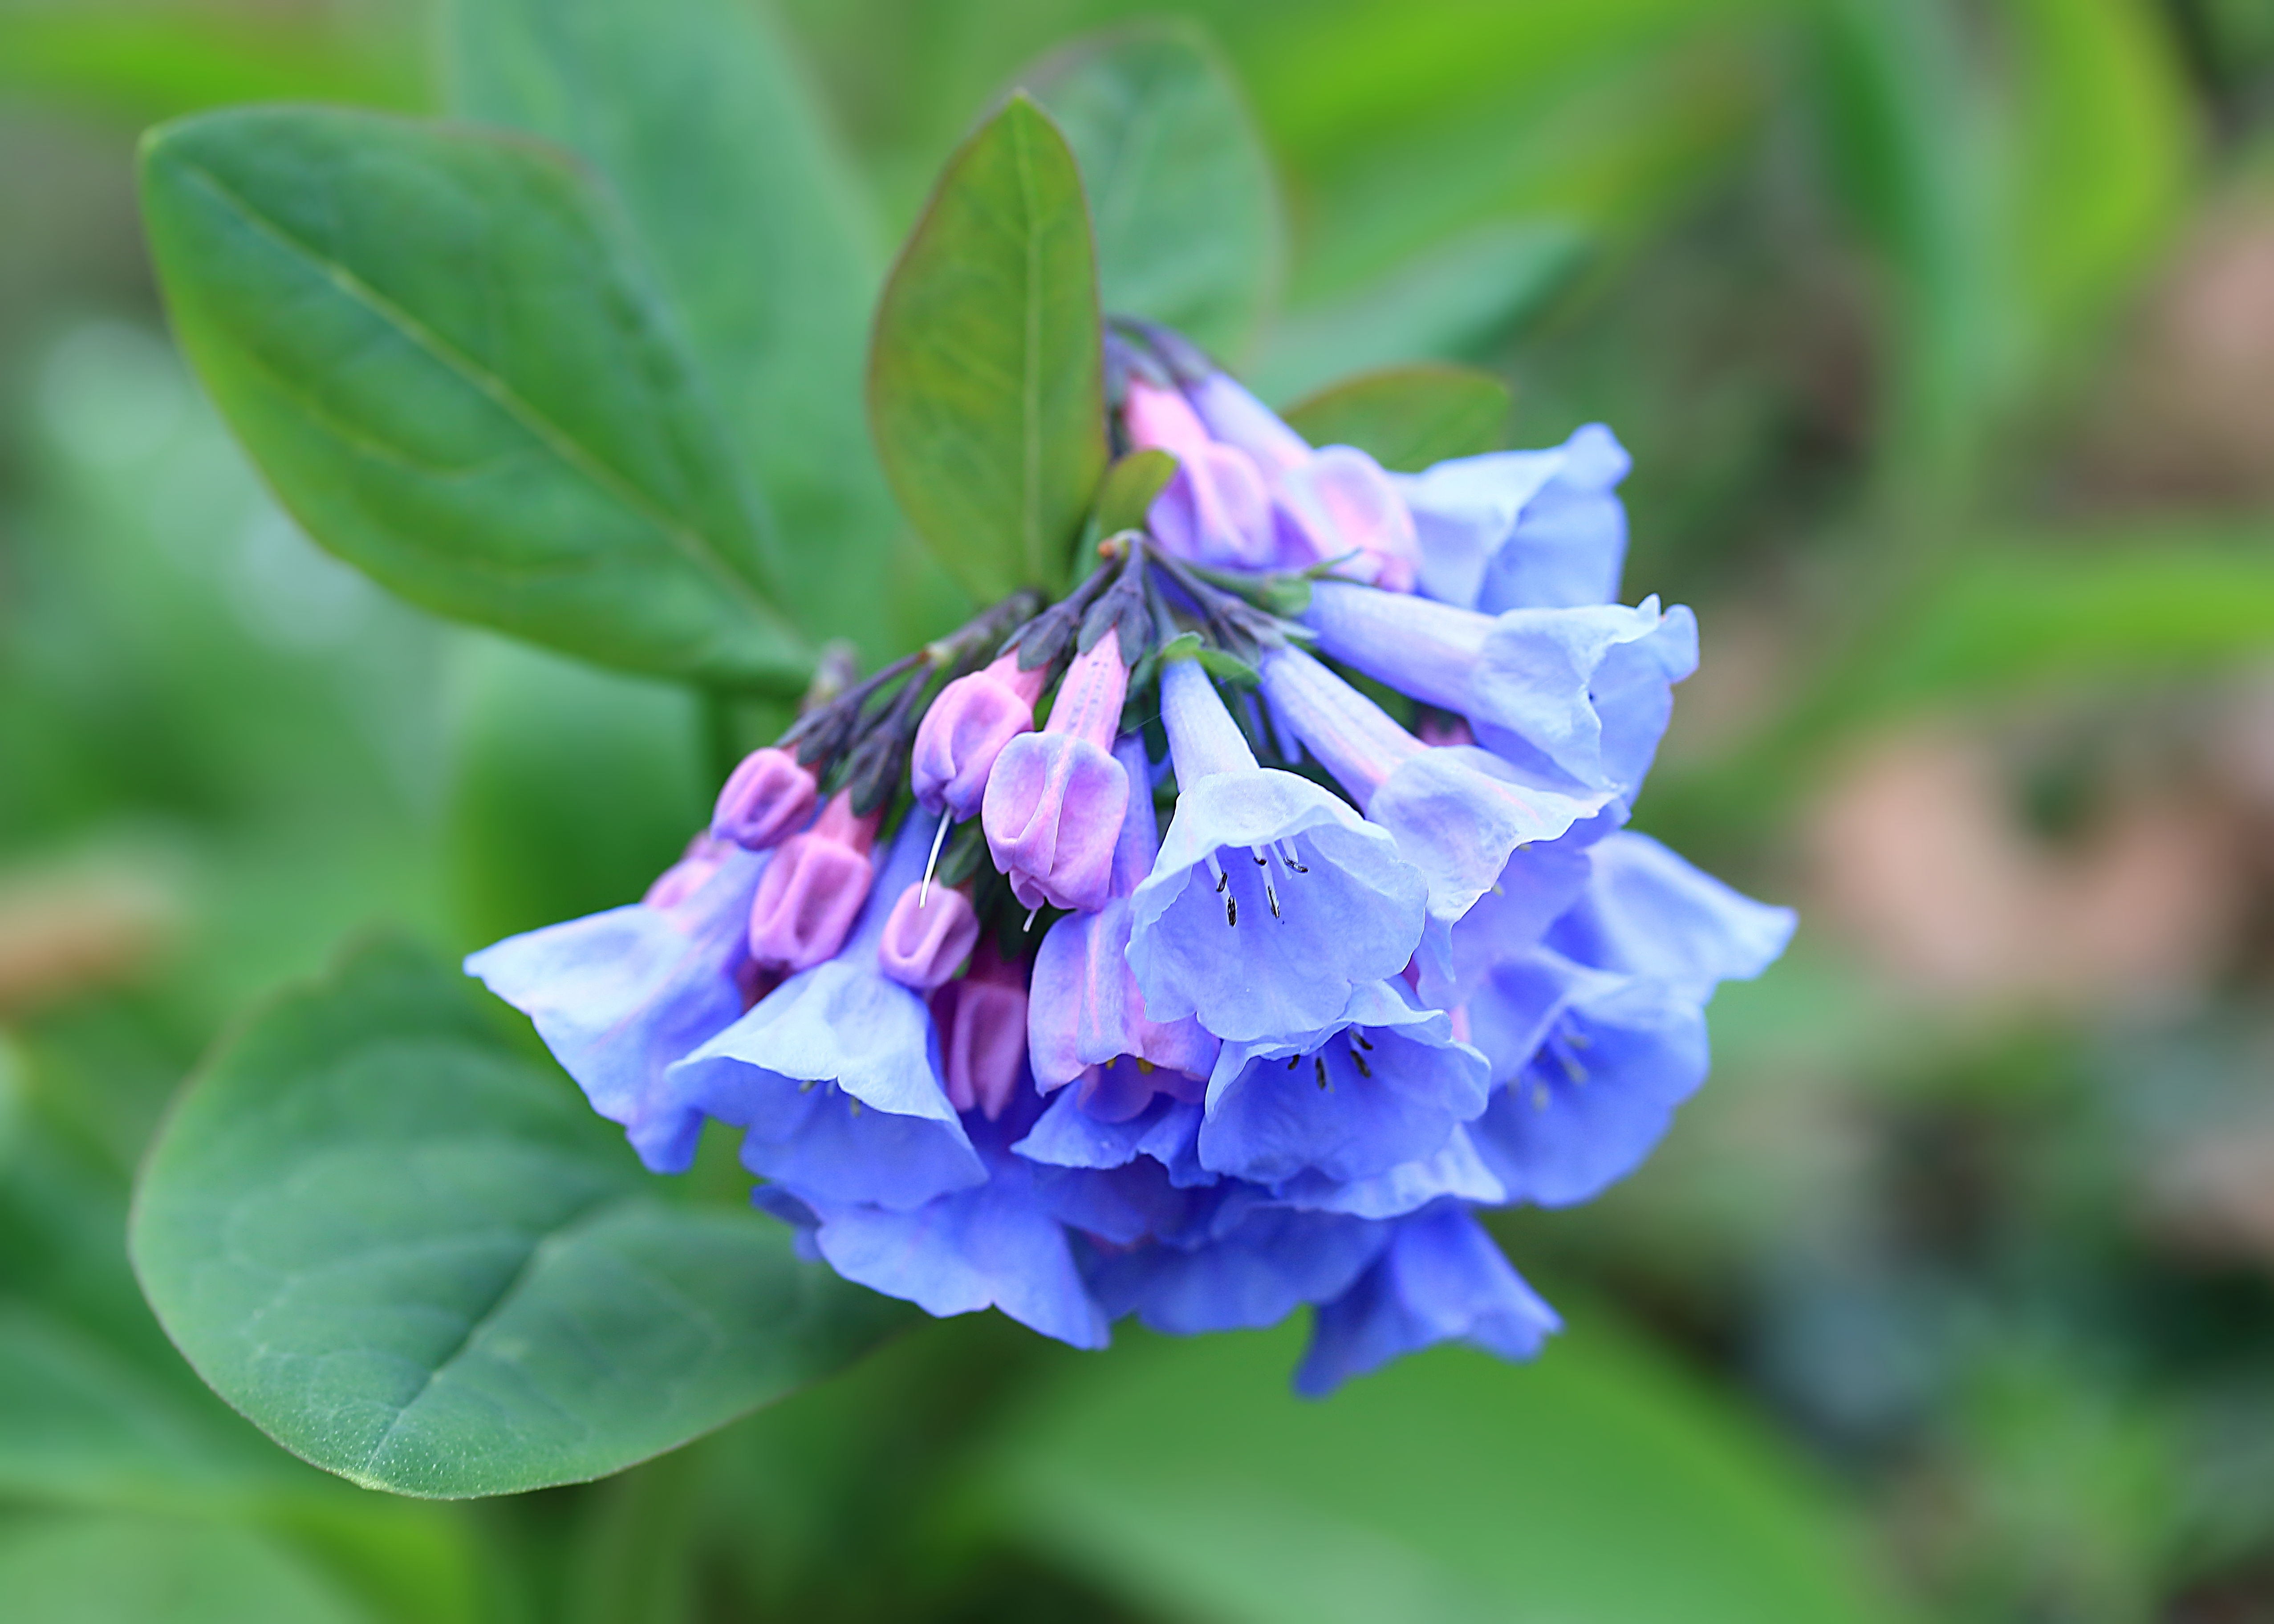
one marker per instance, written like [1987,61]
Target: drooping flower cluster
[1222,990]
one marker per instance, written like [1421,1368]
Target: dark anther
[1358,1038]
[1231,911]
[1321,1061]
[1364,1070]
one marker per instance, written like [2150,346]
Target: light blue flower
[1575,696]
[1596,1036]
[1439,1278]
[1461,815]
[1522,530]
[996,1244]
[1272,899]
[1259,1269]
[836,1073]
[618,997]
[1385,1084]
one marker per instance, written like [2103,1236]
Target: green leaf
[1181,194]
[986,384]
[1593,1487]
[435,345]
[1407,417]
[131,1570]
[1448,303]
[1127,492]
[698,116]
[414,1257]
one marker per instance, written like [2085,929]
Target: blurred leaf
[151,61]
[1595,1485]
[986,385]
[434,346]
[699,115]
[571,788]
[2105,141]
[82,1424]
[1905,136]
[417,1260]
[1180,190]
[1127,492]
[1445,304]
[133,1570]
[2020,616]
[1407,417]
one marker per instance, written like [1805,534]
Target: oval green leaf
[437,348]
[700,118]
[412,1257]
[1407,417]
[986,380]
[1181,192]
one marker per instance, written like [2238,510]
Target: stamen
[1287,856]
[1293,1061]
[1231,912]
[1358,1038]
[1029,925]
[1364,1070]
[1217,868]
[805,1086]
[1272,897]
[1322,1062]
[1144,1066]
[1538,1096]
[853,1103]
[938,839]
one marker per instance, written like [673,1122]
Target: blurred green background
[1943,337]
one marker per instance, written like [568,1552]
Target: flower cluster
[1223,989]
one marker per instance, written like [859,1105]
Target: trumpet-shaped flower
[1458,814]
[1598,1034]
[836,1073]
[1384,1084]
[1522,529]
[1215,509]
[618,997]
[1576,696]
[995,1244]
[1271,900]
[1054,803]
[1440,1278]
[1332,504]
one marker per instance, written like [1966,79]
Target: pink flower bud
[925,942]
[813,890]
[1055,802]
[769,795]
[986,1035]
[966,729]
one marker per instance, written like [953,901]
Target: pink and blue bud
[1054,803]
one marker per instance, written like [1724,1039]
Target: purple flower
[1522,530]
[814,889]
[1263,1263]
[836,1073]
[1055,799]
[1215,509]
[1272,900]
[1576,696]
[1384,1084]
[1598,1034]
[1086,1022]
[963,733]
[618,997]
[769,794]
[1440,1278]
[1331,505]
